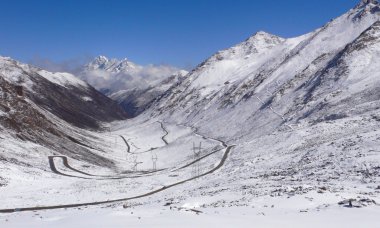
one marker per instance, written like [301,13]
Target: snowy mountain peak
[261,35]
[261,40]
[4,58]
[367,3]
[101,58]
[366,9]
[98,62]
[133,86]
[182,73]
[111,65]
[258,43]
[14,71]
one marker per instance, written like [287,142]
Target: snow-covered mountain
[273,82]
[302,111]
[304,116]
[49,109]
[102,63]
[288,133]
[62,94]
[131,85]
[113,75]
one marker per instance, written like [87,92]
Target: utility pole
[154,159]
[196,156]
[135,164]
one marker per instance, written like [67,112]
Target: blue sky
[175,32]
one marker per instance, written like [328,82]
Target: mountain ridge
[275,79]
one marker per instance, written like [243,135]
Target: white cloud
[130,75]
[140,77]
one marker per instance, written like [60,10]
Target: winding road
[104,177]
[197,160]
[66,164]
[147,151]
[166,133]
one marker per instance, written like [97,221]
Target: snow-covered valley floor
[49,188]
[274,185]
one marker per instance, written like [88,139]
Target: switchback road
[66,164]
[221,163]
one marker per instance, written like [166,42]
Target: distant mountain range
[131,85]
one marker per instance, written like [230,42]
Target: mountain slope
[275,82]
[137,100]
[51,111]
[62,94]
[303,114]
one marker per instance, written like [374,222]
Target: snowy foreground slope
[290,131]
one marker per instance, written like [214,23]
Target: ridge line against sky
[169,32]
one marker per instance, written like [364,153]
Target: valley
[272,131]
